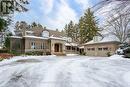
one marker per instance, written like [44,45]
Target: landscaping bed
[5,56]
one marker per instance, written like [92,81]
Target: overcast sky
[55,13]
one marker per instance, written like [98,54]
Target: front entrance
[58,47]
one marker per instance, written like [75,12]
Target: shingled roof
[56,33]
[37,31]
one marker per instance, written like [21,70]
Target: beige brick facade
[101,49]
[28,44]
[16,44]
[58,47]
[41,45]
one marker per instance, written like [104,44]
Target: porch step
[60,54]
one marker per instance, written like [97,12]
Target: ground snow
[116,57]
[72,54]
[70,71]
[126,77]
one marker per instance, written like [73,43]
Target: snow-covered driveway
[74,71]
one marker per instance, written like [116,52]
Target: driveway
[72,71]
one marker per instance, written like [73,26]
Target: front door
[58,47]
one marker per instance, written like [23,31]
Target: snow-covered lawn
[71,71]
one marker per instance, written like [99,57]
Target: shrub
[127,53]
[3,51]
[5,56]
[108,54]
[48,53]
[1,59]
[34,53]
[82,53]
[15,53]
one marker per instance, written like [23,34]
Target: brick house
[41,40]
[102,46]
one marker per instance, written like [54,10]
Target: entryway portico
[57,47]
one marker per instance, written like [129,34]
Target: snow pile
[72,54]
[105,39]
[119,51]
[72,71]
[116,57]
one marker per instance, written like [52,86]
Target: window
[77,49]
[73,48]
[100,49]
[43,46]
[93,49]
[45,34]
[106,48]
[88,49]
[33,45]
[68,47]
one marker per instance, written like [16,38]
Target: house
[38,39]
[72,48]
[102,46]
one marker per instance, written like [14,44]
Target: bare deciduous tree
[119,26]
[120,4]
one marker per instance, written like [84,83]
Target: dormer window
[68,39]
[45,34]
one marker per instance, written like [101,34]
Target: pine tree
[7,41]
[69,29]
[66,29]
[76,33]
[39,25]
[34,24]
[88,26]
[3,24]
[82,29]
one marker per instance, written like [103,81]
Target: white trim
[57,38]
[16,37]
[34,37]
[71,44]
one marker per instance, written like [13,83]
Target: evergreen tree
[7,41]
[88,26]
[85,30]
[34,24]
[69,30]
[76,33]
[3,24]
[82,29]
[66,29]
[39,25]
